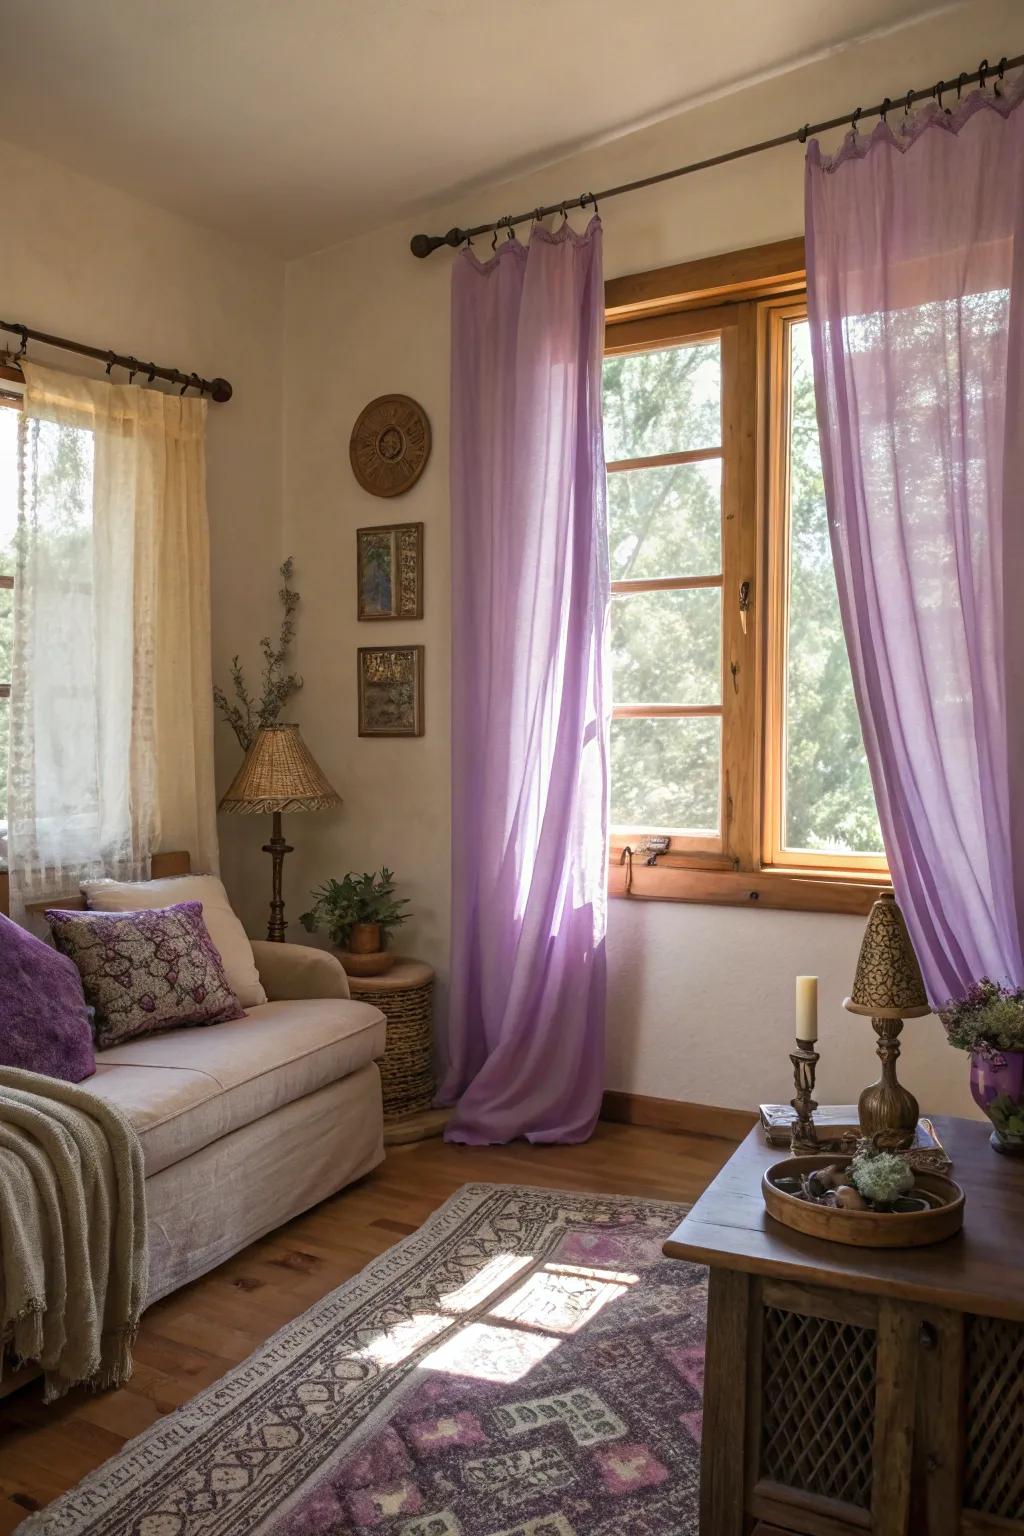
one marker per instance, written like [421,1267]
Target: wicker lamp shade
[279,774]
[888,983]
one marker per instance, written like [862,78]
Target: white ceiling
[296,123]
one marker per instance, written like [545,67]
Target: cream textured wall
[80,260]
[701,998]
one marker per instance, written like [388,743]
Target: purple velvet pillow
[147,970]
[45,1025]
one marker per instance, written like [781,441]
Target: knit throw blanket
[73,1255]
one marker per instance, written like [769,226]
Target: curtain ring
[854,121]
[152,373]
[23,349]
[588,197]
[802,135]
[111,360]
[886,104]
[940,87]
[511,231]
[908,103]
[1000,72]
[626,857]
[563,210]
[960,84]
[982,74]
[494,237]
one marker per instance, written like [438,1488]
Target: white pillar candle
[807,1008]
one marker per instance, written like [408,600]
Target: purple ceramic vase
[997,1085]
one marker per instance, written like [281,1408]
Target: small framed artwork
[389,571]
[390,685]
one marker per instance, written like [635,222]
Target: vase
[997,1086]
[364,938]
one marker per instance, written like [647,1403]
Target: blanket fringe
[24,1336]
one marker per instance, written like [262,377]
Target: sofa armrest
[298,971]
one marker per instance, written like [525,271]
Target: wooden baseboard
[677,1115]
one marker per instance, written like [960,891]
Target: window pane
[667,647]
[828,802]
[666,774]
[666,522]
[665,401]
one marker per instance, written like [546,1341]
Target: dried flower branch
[247,716]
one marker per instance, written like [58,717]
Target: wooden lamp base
[277,848]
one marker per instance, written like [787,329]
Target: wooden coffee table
[857,1389]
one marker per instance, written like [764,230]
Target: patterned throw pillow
[148,970]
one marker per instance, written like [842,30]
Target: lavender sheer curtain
[915,255]
[529,728]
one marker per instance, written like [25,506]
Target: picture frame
[389,687]
[389,571]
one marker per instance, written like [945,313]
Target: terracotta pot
[997,1086]
[366,965]
[365,938]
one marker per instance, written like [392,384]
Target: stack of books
[838,1129]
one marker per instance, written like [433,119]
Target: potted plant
[358,913]
[989,1023]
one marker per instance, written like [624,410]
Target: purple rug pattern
[526,1364]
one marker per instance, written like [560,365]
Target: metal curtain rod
[217,389]
[423,245]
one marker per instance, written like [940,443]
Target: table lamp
[888,988]
[279,774]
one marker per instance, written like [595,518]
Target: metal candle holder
[803,1137]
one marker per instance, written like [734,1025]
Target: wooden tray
[864,1229]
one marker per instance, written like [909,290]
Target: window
[663,431]
[819,804]
[735,731]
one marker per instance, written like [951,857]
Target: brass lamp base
[888,1111]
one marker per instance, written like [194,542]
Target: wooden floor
[190,1339]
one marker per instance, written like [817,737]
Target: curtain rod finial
[221,391]
[423,245]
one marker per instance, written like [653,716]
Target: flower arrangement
[987,1021]
[249,715]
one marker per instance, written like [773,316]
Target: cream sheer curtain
[111,752]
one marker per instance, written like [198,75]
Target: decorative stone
[848,1199]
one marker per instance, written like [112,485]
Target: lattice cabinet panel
[994,1459]
[818,1412]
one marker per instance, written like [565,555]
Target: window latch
[744,603]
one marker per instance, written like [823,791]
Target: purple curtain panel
[915,258]
[529,717]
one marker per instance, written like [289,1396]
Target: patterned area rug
[526,1364]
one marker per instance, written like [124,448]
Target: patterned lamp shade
[888,983]
[279,774]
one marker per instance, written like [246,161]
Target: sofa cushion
[185,1088]
[146,971]
[228,935]
[45,1025]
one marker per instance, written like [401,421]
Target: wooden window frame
[746,297]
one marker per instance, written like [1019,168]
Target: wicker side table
[405,996]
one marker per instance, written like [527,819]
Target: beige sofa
[245,1124]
